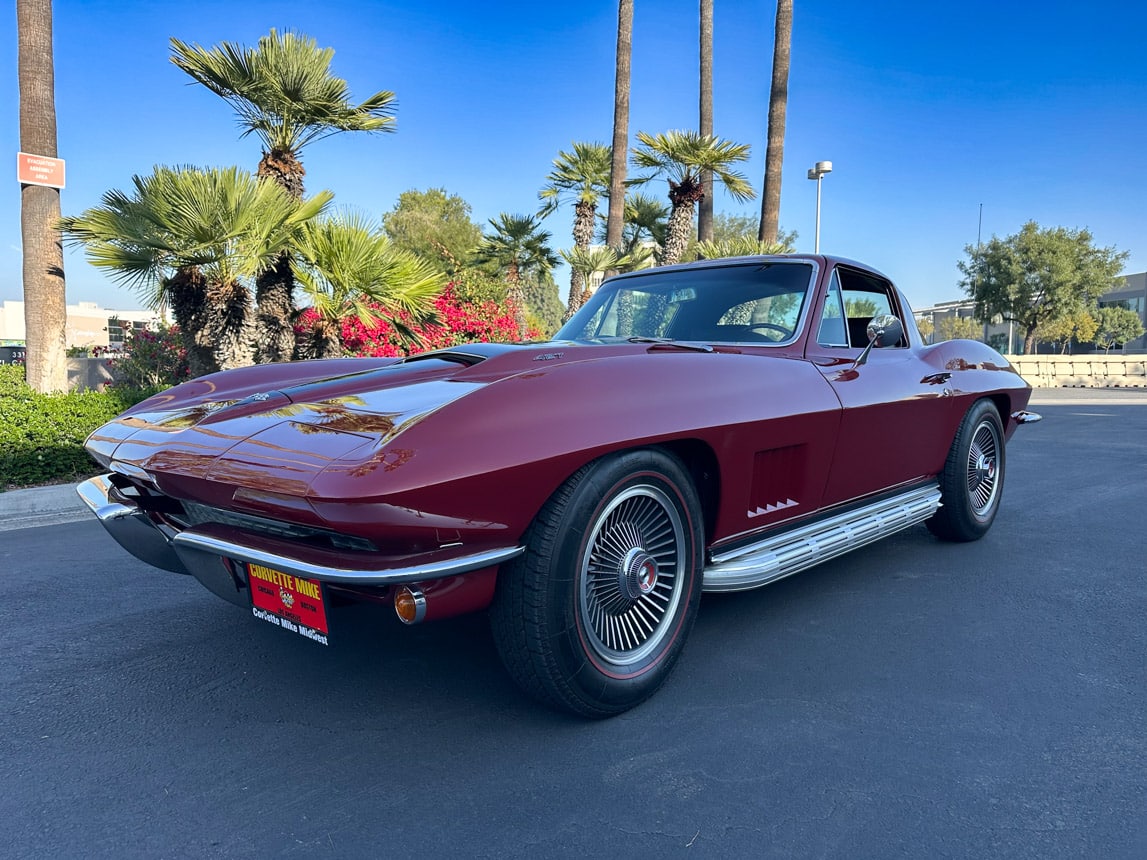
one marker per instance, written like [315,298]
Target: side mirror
[883,330]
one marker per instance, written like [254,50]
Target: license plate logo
[287,601]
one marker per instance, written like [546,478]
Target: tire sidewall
[959,520]
[607,684]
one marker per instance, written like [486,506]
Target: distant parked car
[706,427]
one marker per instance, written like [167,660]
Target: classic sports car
[705,427]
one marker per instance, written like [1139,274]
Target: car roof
[826,260]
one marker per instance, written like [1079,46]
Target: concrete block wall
[1082,371]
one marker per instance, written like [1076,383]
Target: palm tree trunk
[274,333]
[677,235]
[229,325]
[705,205]
[45,304]
[615,222]
[516,296]
[778,104]
[186,293]
[585,214]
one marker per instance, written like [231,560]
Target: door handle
[936,378]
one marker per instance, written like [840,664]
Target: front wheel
[973,477]
[592,618]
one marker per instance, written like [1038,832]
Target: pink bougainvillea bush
[149,359]
[458,322]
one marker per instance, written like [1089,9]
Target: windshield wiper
[668,341]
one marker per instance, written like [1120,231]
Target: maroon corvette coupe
[706,427]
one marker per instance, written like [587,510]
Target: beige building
[88,324]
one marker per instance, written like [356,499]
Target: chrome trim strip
[1025,417]
[94,493]
[346,576]
[792,551]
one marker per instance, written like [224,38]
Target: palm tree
[45,305]
[615,221]
[285,94]
[778,104]
[591,262]
[193,240]
[582,175]
[517,245]
[646,223]
[348,266]
[705,204]
[680,157]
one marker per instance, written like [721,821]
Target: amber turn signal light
[409,605]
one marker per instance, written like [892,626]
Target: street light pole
[817,172]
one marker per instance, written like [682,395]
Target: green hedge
[42,435]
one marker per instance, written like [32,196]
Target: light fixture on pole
[817,172]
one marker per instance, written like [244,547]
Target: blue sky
[927,111]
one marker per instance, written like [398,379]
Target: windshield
[756,303]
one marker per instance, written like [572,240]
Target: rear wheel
[973,477]
[593,616]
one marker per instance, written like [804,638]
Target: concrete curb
[41,506]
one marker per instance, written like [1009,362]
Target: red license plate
[287,601]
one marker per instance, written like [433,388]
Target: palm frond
[283,90]
[740,246]
[581,175]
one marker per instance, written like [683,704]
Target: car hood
[282,425]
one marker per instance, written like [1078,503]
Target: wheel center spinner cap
[638,573]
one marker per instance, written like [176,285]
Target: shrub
[151,359]
[42,435]
[459,321]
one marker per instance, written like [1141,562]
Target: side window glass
[863,297]
[832,330]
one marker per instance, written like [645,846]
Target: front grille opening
[195,514]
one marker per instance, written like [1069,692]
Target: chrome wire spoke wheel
[632,575]
[983,468]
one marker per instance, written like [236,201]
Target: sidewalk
[41,506]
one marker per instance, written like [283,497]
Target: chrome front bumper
[201,551]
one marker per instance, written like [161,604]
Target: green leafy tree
[348,267]
[517,248]
[728,227]
[926,328]
[680,157]
[1076,326]
[284,93]
[582,177]
[543,303]
[952,327]
[1116,325]
[434,225]
[1038,275]
[194,240]
[736,236]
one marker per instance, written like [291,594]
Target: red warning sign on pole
[39,170]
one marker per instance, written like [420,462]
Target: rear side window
[854,298]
